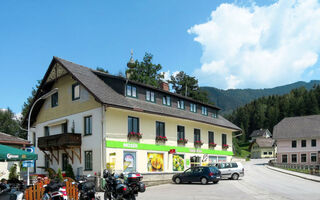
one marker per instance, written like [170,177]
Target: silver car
[232,170]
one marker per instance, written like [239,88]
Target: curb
[296,175]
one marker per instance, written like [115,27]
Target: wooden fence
[35,192]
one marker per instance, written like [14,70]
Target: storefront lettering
[130,145]
[195,151]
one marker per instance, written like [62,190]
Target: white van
[232,170]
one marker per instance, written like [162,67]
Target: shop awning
[13,154]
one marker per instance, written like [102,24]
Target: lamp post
[28,136]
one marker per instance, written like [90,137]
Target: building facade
[298,140]
[263,148]
[97,121]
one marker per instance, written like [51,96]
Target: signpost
[28,163]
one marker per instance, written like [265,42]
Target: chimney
[164,86]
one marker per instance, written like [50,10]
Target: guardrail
[308,169]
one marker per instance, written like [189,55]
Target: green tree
[188,86]
[13,172]
[8,123]
[100,69]
[146,72]
[59,175]
[69,172]
[29,100]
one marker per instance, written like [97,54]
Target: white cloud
[167,75]
[258,46]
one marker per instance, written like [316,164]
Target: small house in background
[263,147]
[265,133]
[12,141]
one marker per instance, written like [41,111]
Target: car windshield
[188,170]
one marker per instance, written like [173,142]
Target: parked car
[202,174]
[232,170]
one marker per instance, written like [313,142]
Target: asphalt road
[259,182]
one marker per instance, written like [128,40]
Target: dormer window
[215,114]
[166,100]
[180,104]
[193,107]
[204,110]
[150,96]
[131,91]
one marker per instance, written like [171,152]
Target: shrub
[60,177]
[69,171]
[13,172]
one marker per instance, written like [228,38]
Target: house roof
[10,139]
[298,127]
[106,95]
[264,142]
[260,132]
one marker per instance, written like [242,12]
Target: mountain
[229,100]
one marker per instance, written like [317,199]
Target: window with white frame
[150,96]
[193,107]
[166,100]
[180,104]
[204,110]
[131,91]
[313,157]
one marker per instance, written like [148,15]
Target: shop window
[265,153]
[54,100]
[195,161]
[313,143]
[131,91]
[133,125]
[284,158]
[155,162]
[313,157]
[88,125]
[75,91]
[294,143]
[180,104]
[160,129]
[150,96]
[180,132]
[65,161]
[303,157]
[204,110]
[294,158]
[197,135]
[88,160]
[303,143]
[129,161]
[211,137]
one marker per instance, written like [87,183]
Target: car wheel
[203,180]
[235,177]
[177,180]
[215,182]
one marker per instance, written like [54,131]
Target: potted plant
[134,135]
[182,141]
[212,144]
[225,146]
[198,143]
[161,138]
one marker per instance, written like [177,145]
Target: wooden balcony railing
[59,141]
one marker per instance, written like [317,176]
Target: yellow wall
[65,104]
[257,152]
[117,128]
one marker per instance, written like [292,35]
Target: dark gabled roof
[258,133]
[264,142]
[298,127]
[104,94]
[10,139]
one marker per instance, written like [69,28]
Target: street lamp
[28,136]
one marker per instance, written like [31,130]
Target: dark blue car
[202,174]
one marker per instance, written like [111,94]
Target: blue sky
[182,35]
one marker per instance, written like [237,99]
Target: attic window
[75,91]
[215,114]
[54,100]
[131,91]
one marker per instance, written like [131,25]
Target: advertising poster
[155,162]
[129,161]
[178,162]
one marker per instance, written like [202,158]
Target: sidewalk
[297,174]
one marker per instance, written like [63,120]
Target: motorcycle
[86,189]
[55,190]
[115,189]
[10,192]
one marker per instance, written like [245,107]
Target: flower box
[161,138]
[198,143]
[212,144]
[135,135]
[182,141]
[225,146]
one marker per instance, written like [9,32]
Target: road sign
[30,149]
[28,163]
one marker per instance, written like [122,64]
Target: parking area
[259,182]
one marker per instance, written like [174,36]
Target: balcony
[59,141]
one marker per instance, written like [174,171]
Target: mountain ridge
[229,100]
